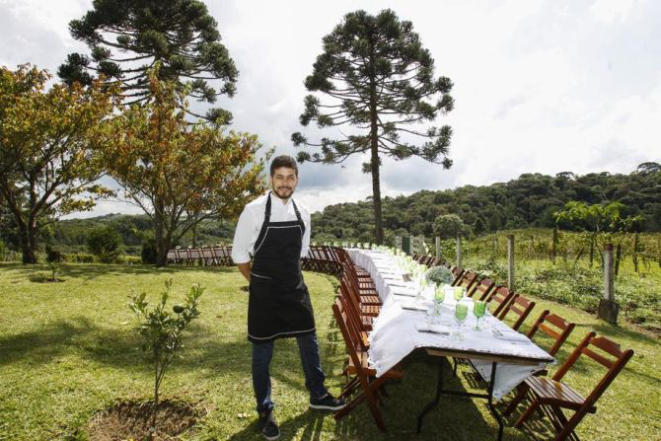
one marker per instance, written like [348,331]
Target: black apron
[279,304]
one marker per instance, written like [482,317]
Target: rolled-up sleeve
[243,237]
[306,236]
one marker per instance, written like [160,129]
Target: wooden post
[495,247]
[510,262]
[608,307]
[437,242]
[459,251]
[635,252]
[554,245]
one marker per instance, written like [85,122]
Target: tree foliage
[180,175]
[128,37]
[105,243]
[528,201]
[49,143]
[380,80]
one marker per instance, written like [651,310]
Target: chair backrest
[500,296]
[481,289]
[457,273]
[520,306]
[349,340]
[467,280]
[555,327]
[605,352]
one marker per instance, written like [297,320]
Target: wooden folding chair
[559,330]
[457,273]
[554,397]
[520,306]
[356,320]
[481,289]
[468,278]
[500,296]
[364,375]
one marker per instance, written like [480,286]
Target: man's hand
[245,270]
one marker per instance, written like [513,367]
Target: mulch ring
[132,419]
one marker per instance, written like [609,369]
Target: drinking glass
[460,313]
[479,308]
[439,296]
[458,293]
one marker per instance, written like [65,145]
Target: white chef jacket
[252,218]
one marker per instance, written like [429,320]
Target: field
[69,350]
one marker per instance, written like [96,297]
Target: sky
[540,86]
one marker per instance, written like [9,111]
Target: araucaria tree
[380,80]
[180,174]
[128,37]
[49,143]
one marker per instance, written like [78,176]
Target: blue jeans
[261,379]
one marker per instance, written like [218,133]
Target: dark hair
[283,161]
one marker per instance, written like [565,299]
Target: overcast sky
[540,86]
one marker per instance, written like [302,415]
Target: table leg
[434,402]
[495,413]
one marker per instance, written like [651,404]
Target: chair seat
[371,310]
[370,300]
[553,392]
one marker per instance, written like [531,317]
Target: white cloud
[540,86]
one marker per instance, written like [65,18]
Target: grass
[639,295]
[69,349]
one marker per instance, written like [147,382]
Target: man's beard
[283,192]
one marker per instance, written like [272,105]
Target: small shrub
[105,244]
[161,331]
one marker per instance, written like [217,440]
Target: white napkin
[402,291]
[436,329]
[415,307]
[510,336]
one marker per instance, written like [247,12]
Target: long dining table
[504,358]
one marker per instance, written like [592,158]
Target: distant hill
[525,202]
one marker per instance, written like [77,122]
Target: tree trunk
[28,235]
[162,243]
[374,147]
[591,251]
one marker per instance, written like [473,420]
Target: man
[275,231]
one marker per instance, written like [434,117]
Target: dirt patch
[132,419]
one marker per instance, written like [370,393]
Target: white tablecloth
[395,331]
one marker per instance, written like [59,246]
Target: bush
[78,258]
[148,253]
[53,255]
[105,244]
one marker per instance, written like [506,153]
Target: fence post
[459,250]
[554,244]
[437,242]
[398,243]
[608,307]
[510,262]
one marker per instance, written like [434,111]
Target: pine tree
[381,81]
[128,37]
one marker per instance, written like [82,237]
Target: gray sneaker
[327,402]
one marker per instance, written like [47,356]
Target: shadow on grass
[92,271]
[310,422]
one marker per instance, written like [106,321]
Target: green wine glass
[458,293]
[479,309]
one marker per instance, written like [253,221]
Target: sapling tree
[161,331]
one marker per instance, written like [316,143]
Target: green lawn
[68,350]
